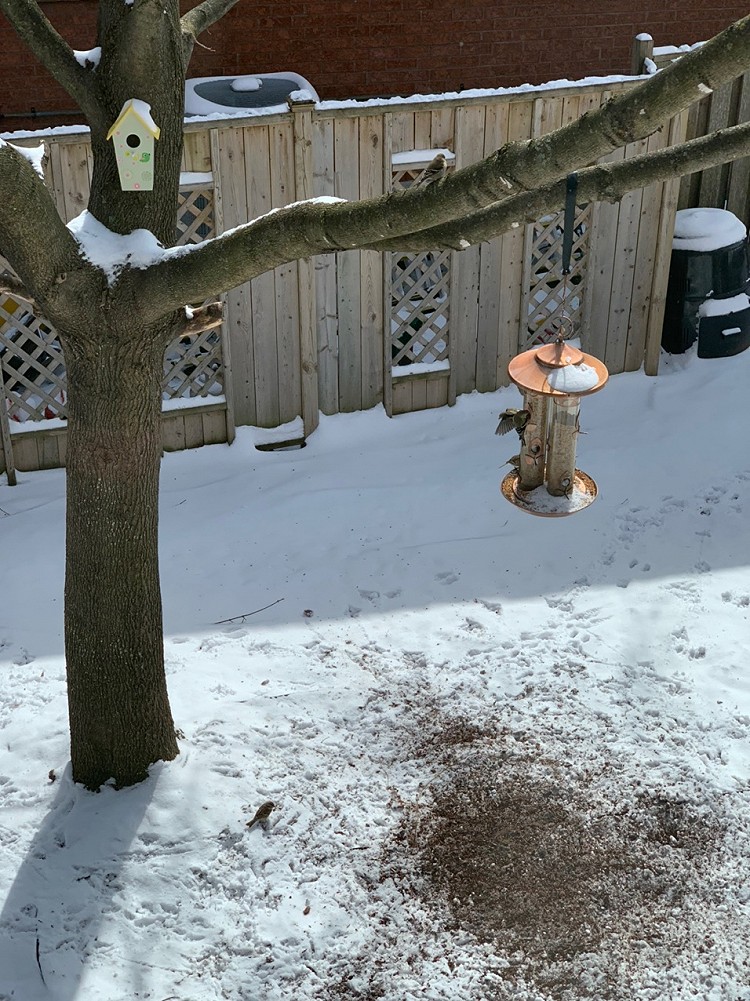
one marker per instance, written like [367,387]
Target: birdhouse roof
[142,112]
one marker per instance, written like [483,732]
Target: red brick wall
[366,48]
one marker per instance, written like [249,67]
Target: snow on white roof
[241,84]
[706,229]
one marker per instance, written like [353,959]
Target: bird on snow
[435,170]
[261,815]
[513,420]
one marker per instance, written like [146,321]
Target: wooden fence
[346,331]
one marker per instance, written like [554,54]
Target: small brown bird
[435,170]
[515,461]
[512,419]
[261,815]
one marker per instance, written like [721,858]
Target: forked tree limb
[200,18]
[305,229]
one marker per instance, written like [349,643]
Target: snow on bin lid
[706,229]
[249,93]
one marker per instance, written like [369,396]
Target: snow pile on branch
[112,252]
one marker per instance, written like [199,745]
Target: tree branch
[605,182]
[304,229]
[41,263]
[200,18]
[10,285]
[54,53]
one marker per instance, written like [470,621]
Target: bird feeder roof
[142,113]
[558,369]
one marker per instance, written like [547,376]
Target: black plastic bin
[709,258]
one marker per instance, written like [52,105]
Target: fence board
[173,432]
[373,320]
[214,427]
[402,131]
[266,363]
[465,282]
[229,173]
[226,352]
[490,262]
[346,166]
[600,272]
[286,281]
[511,293]
[626,245]
[196,153]
[402,396]
[326,301]
[670,195]
[738,196]
[714,179]
[645,258]
[303,189]
[442,129]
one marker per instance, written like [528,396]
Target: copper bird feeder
[552,378]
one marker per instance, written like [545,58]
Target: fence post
[641,50]
[10,467]
[302,112]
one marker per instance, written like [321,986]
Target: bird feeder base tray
[538,501]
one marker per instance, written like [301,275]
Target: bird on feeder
[513,419]
[435,170]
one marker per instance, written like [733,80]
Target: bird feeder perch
[134,133]
[552,378]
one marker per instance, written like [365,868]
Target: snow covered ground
[510,755]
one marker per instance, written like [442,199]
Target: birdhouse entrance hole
[553,378]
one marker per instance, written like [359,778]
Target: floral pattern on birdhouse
[133,134]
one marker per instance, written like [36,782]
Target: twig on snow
[241,618]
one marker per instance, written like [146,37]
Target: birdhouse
[134,134]
[552,378]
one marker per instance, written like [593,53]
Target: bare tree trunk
[120,720]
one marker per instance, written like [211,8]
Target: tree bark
[120,720]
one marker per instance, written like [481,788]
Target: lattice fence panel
[550,299]
[195,215]
[193,366]
[419,292]
[31,358]
[33,368]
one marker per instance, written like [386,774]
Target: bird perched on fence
[435,170]
[513,420]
